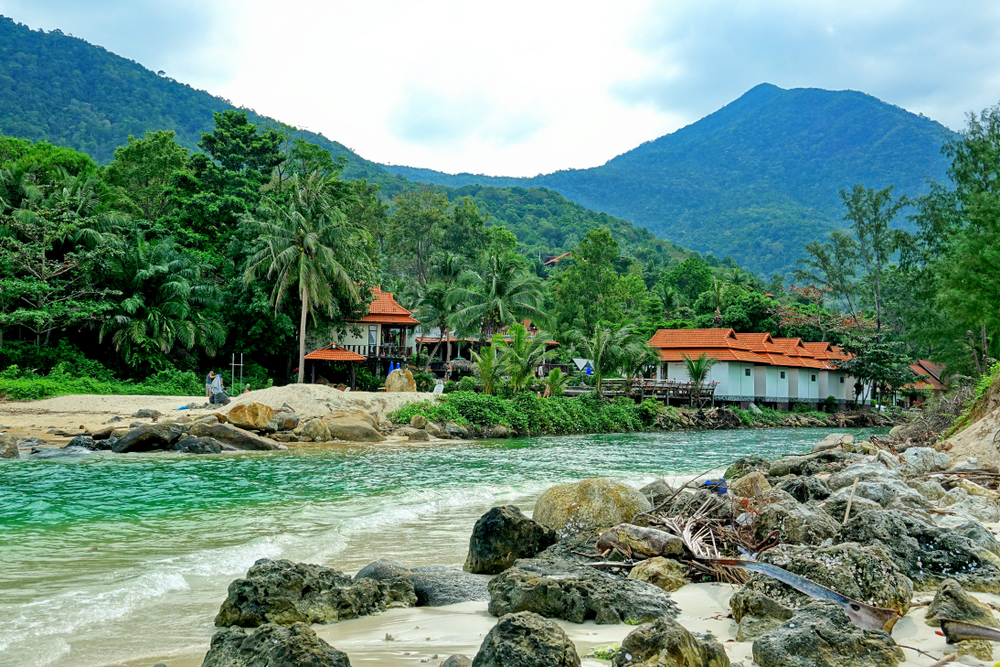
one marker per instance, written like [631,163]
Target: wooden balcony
[380,351]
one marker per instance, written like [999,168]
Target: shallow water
[111,558]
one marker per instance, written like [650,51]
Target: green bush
[528,414]
[365,381]
[64,379]
[468,383]
[450,386]
[424,381]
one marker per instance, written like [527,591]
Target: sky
[526,87]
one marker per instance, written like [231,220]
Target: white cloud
[526,87]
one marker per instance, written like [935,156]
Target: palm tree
[636,357]
[168,302]
[488,366]
[502,293]
[435,309]
[521,354]
[310,244]
[698,370]
[669,297]
[556,382]
[605,349]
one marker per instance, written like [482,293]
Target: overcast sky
[526,87]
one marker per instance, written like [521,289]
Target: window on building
[841,380]
[746,371]
[782,375]
[373,334]
[813,377]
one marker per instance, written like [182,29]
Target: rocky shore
[829,551]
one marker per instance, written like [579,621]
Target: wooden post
[353,388]
[313,364]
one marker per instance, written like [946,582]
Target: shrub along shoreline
[529,415]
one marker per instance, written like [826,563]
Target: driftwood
[862,615]
[957,631]
[641,543]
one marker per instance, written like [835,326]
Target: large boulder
[8,447]
[961,501]
[665,573]
[457,660]
[751,485]
[889,492]
[272,645]
[796,522]
[575,594]
[756,613]
[924,552]
[925,459]
[821,635]
[252,416]
[237,437]
[804,489]
[952,602]
[434,586]
[352,426]
[658,492]
[147,438]
[283,422]
[868,470]
[746,465]
[867,574]
[588,506]
[315,430]
[834,440]
[400,380]
[279,591]
[525,639]
[503,535]
[194,445]
[666,643]
[827,461]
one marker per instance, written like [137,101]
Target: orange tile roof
[696,338]
[719,354]
[334,353]
[385,310]
[933,372]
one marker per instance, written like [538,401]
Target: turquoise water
[109,559]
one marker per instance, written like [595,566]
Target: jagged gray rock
[191,444]
[148,437]
[236,437]
[272,646]
[525,639]
[434,586]
[8,447]
[804,489]
[666,643]
[588,505]
[503,535]
[576,593]
[283,592]
[821,635]
[796,522]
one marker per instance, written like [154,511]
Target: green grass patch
[18,385]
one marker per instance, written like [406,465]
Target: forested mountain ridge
[757,179]
[64,90]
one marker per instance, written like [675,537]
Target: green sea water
[107,559]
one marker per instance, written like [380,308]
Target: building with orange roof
[755,367]
[387,331]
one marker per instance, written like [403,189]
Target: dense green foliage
[65,380]
[757,179]
[527,414]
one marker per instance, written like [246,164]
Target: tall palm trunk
[302,334]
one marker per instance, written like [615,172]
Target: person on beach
[447,373]
[208,384]
[247,390]
[215,387]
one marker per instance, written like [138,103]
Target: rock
[147,414]
[665,643]
[456,431]
[834,440]
[103,433]
[272,646]
[400,380]
[82,441]
[352,426]
[433,586]
[821,635]
[316,430]
[496,432]
[114,420]
[644,542]
[756,613]
[8,447]
[418,421]
[664,573]
[220,398]
[282,422]
[959,500]
[745,465]
[418,435]
[952,602]
[861,573]
[836,507]
[279,591]
[252,416]
[576,593]
[503,535]
[457,660]
[884,493]
[827,461]
[194,445]
[924,552]
[863,471]
[804,489]
[285,437]
[148,437]
[437,430]
[588,506]
[237,437]
[925,459]
[928,488]
[750,485]
[796,522]
[657,492]
[525,639]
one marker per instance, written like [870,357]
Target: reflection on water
[110,558]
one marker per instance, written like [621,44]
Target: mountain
[61,89]
[757,179]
